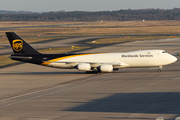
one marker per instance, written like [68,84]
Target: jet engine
[84,67]
[106,68]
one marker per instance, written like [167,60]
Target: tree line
[119,15]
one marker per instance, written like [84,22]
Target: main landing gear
[160,69]
[91,72]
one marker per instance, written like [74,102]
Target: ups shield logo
[17,45]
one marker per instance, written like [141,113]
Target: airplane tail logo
[17,45]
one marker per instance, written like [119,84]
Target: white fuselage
[141,58]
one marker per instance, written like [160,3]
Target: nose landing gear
[160,69]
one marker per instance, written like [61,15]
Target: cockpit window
[163,51]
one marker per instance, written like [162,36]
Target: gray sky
[85,5]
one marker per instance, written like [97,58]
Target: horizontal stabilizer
[19,57]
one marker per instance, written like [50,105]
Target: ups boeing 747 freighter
[91,63]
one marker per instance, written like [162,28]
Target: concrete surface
[31,92]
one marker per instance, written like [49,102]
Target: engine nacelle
[106,68]
[84,67]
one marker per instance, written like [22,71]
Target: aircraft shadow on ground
[78,73]
[67,72]
[41,73]
[158,103]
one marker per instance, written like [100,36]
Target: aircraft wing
[93,64]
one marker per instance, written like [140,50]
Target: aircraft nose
[174,59]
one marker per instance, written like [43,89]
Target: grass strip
[5,60]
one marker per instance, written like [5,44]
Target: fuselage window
[163,51]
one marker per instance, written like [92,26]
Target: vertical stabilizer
[20,46]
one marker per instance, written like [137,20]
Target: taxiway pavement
[34,92]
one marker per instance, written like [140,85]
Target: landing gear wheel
[159,70]
[94,72]
[91,72]
[88,72]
